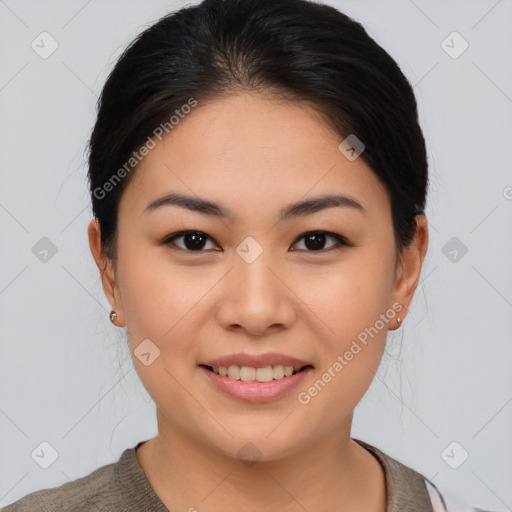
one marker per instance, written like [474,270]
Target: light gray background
[65,376]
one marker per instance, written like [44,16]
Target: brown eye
[314,241]
[196,241]
[193,241]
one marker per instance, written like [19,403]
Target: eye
[315,240]
[194,241]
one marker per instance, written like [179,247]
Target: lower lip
[256,391]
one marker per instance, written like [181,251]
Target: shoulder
[447,500]
[100,490]
[410,490]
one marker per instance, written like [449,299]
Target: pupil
[315,241]
[197,243]
[318,241]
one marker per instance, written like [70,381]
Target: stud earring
[113,316]
[398,319]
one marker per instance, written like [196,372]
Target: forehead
[252,150]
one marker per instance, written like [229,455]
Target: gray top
[123,487]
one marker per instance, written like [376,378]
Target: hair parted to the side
[295,49]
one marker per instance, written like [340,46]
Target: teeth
[264,374]
[233,372]
[247,374]
[251,374]
[278,372]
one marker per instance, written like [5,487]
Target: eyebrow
[298,209]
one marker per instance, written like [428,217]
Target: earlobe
[104,265]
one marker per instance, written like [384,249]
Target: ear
[106,268]
[409,267]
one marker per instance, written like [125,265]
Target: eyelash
[341,241]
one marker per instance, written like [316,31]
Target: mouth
[255,378]
[257,374]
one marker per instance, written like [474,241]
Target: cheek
[159,303]
[350,297]
[349,313]
[352,311]
[165,303]
[155,296]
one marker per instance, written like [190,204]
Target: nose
[255,297]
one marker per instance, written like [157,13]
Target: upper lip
[256,361]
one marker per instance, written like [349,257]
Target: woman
[258,179]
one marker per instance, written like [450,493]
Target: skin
[255,154]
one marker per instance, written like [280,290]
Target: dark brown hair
[295,48]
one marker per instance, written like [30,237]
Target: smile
[252,374]
[255,384]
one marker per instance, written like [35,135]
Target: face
[248,281]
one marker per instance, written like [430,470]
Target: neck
[187,474]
